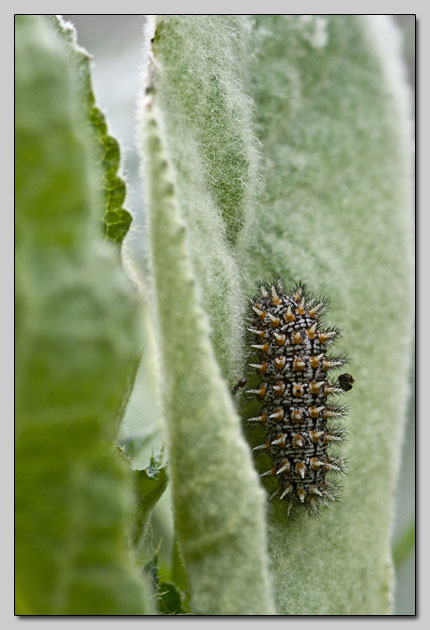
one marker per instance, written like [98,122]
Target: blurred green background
[115,42]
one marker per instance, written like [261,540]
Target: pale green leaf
[331,115]
[333,120]
[214,152]
[218,504]
[77,339]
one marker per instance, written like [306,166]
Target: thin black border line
[218,14]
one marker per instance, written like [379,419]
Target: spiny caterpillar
[300,422]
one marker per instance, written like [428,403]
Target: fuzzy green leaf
[219,514]
[330,109]
[77,337]
[116,219]
[336,213]
[214,153]
[211,108]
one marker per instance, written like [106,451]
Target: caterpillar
[300,420]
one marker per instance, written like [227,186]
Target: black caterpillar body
[300,421]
